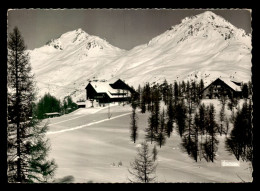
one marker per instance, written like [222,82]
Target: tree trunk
[212,146]
[19,178]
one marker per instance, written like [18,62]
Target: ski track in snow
[80,115]
[82,126]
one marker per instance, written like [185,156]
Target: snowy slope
[203,46]
[85,144]
[64,65]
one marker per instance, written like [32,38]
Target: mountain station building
[109,91]
[222,86]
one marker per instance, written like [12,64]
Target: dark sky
[122,28]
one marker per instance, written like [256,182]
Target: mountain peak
[79,30]
[206,18]
[205,15]
[204,25]
[71,37]
[209,14]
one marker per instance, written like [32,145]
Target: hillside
[88,146]
[64,65]
[203,46]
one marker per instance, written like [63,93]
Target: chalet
[222,86]
[107,92]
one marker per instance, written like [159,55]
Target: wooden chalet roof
[104,87]
[231,84]
[228,82]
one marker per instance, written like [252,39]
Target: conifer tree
[241,137]
[183,88]
[188,90]
[155,98]
[198,94]
[210,92]
[176,91]
[139,91]
[143,101]
[181,116]
[190,100]
[155,153]
[210,146]
[201,85]
[223,101]
[250,88]
[202,120]
[165,89]
[222,119]
[187,141]
[202,125]
[170,116]
[134,127]
[190,141]
[147,91]
[156,111]
[153,120]
[27,146]
[195,137]
[160,134]
[169,94]
[245,90]
[143,168]
[152,130]
[194,93]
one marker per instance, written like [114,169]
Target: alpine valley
[203,46]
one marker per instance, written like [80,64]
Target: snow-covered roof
[101,87]
[229,82]
[104,87]
[54,113]
[81,103]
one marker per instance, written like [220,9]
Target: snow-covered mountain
[63,66]
[203,46]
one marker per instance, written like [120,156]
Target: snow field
[88,153]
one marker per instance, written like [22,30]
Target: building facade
[222,86]
[107,92]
